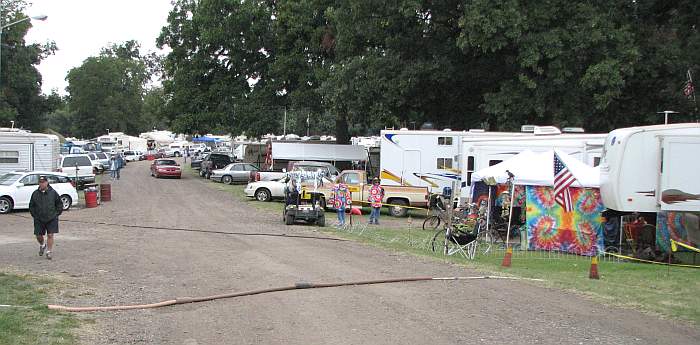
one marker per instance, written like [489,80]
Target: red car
[166,168]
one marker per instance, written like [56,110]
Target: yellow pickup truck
[358,184]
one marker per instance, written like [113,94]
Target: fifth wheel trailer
[22,150]
[652,169]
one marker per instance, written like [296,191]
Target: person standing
[120,164]
[45,206]
[342,199]
[113,167]
[375,198]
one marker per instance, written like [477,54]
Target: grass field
[666,291]
[29,321]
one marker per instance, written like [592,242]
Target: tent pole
[488,211]
[510,211]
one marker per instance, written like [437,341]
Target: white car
[16,189]
[265,190]
[132,156]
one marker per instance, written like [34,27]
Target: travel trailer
[431,158]
[483,153]
[652,168]
[22,150]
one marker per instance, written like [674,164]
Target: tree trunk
[342,135]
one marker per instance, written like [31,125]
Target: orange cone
[508,257]
[593,274]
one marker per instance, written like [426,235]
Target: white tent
[537,169]
[318,152]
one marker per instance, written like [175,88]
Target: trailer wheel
[399,211]
[5,205]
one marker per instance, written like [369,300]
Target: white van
[79,166]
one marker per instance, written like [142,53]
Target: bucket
[90,198]
[105,192]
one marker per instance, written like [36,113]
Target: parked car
[16,189]
[234,172]
[266,190]
[165,168]
[100,161]
[77,166]
[212,162]
[132,156]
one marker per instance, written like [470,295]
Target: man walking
[45,206]
[376,196]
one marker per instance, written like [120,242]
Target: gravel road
[108,265]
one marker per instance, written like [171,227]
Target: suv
[214,161]
[79,166]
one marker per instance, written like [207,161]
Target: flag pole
[511,180]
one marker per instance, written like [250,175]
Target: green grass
[31,322]
[668,292]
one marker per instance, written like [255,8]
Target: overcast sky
[81,28]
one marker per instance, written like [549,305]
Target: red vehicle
[165,168]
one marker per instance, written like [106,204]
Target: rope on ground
[648,261]
[297,286]
[197,230]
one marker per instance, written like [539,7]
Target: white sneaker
[48,255]
[42,248]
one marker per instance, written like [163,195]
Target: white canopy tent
[537,169]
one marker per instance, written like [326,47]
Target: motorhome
[431,158]
[22,150]
[652,168]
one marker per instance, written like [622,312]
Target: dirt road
[107,265]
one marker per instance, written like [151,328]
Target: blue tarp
[205,140]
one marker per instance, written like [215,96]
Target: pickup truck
[357,183]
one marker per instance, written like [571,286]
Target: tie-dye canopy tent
[549,225]
[536,169]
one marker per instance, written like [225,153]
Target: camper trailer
[22,150]
[433,158]
[652,168]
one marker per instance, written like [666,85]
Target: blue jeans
[374,215]
[341,217]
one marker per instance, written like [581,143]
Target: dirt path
[106,265]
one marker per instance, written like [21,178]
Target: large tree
[20,82]
[106,92]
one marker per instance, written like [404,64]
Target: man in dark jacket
[45,207]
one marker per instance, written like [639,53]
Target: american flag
[562,180]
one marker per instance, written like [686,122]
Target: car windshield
[8,179]
[166,162]
[101,155]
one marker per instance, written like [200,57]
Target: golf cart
[304,206]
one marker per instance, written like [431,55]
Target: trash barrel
[90,198]
[105,192]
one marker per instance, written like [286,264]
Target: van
[78,168]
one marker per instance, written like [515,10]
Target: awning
[318,152]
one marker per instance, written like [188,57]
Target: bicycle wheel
[431,223]
[438,243]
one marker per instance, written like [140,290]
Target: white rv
[433,159]
[652,168]
[22,150]
[485,152]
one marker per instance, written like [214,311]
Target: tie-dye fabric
[680,226]
[549,227]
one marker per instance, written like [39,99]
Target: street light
[3,27]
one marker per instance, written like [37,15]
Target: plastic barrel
[90,199]
[105,192]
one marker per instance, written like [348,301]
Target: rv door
[411,167]
[678,188]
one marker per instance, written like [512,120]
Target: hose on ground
[297,286]
[265,234]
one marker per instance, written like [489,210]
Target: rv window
[494,162]
[596,161]
[470,163]
[9,157]
[469,178]
[444,163]
[445,141]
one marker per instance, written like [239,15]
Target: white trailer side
[652,168]
[20,150]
